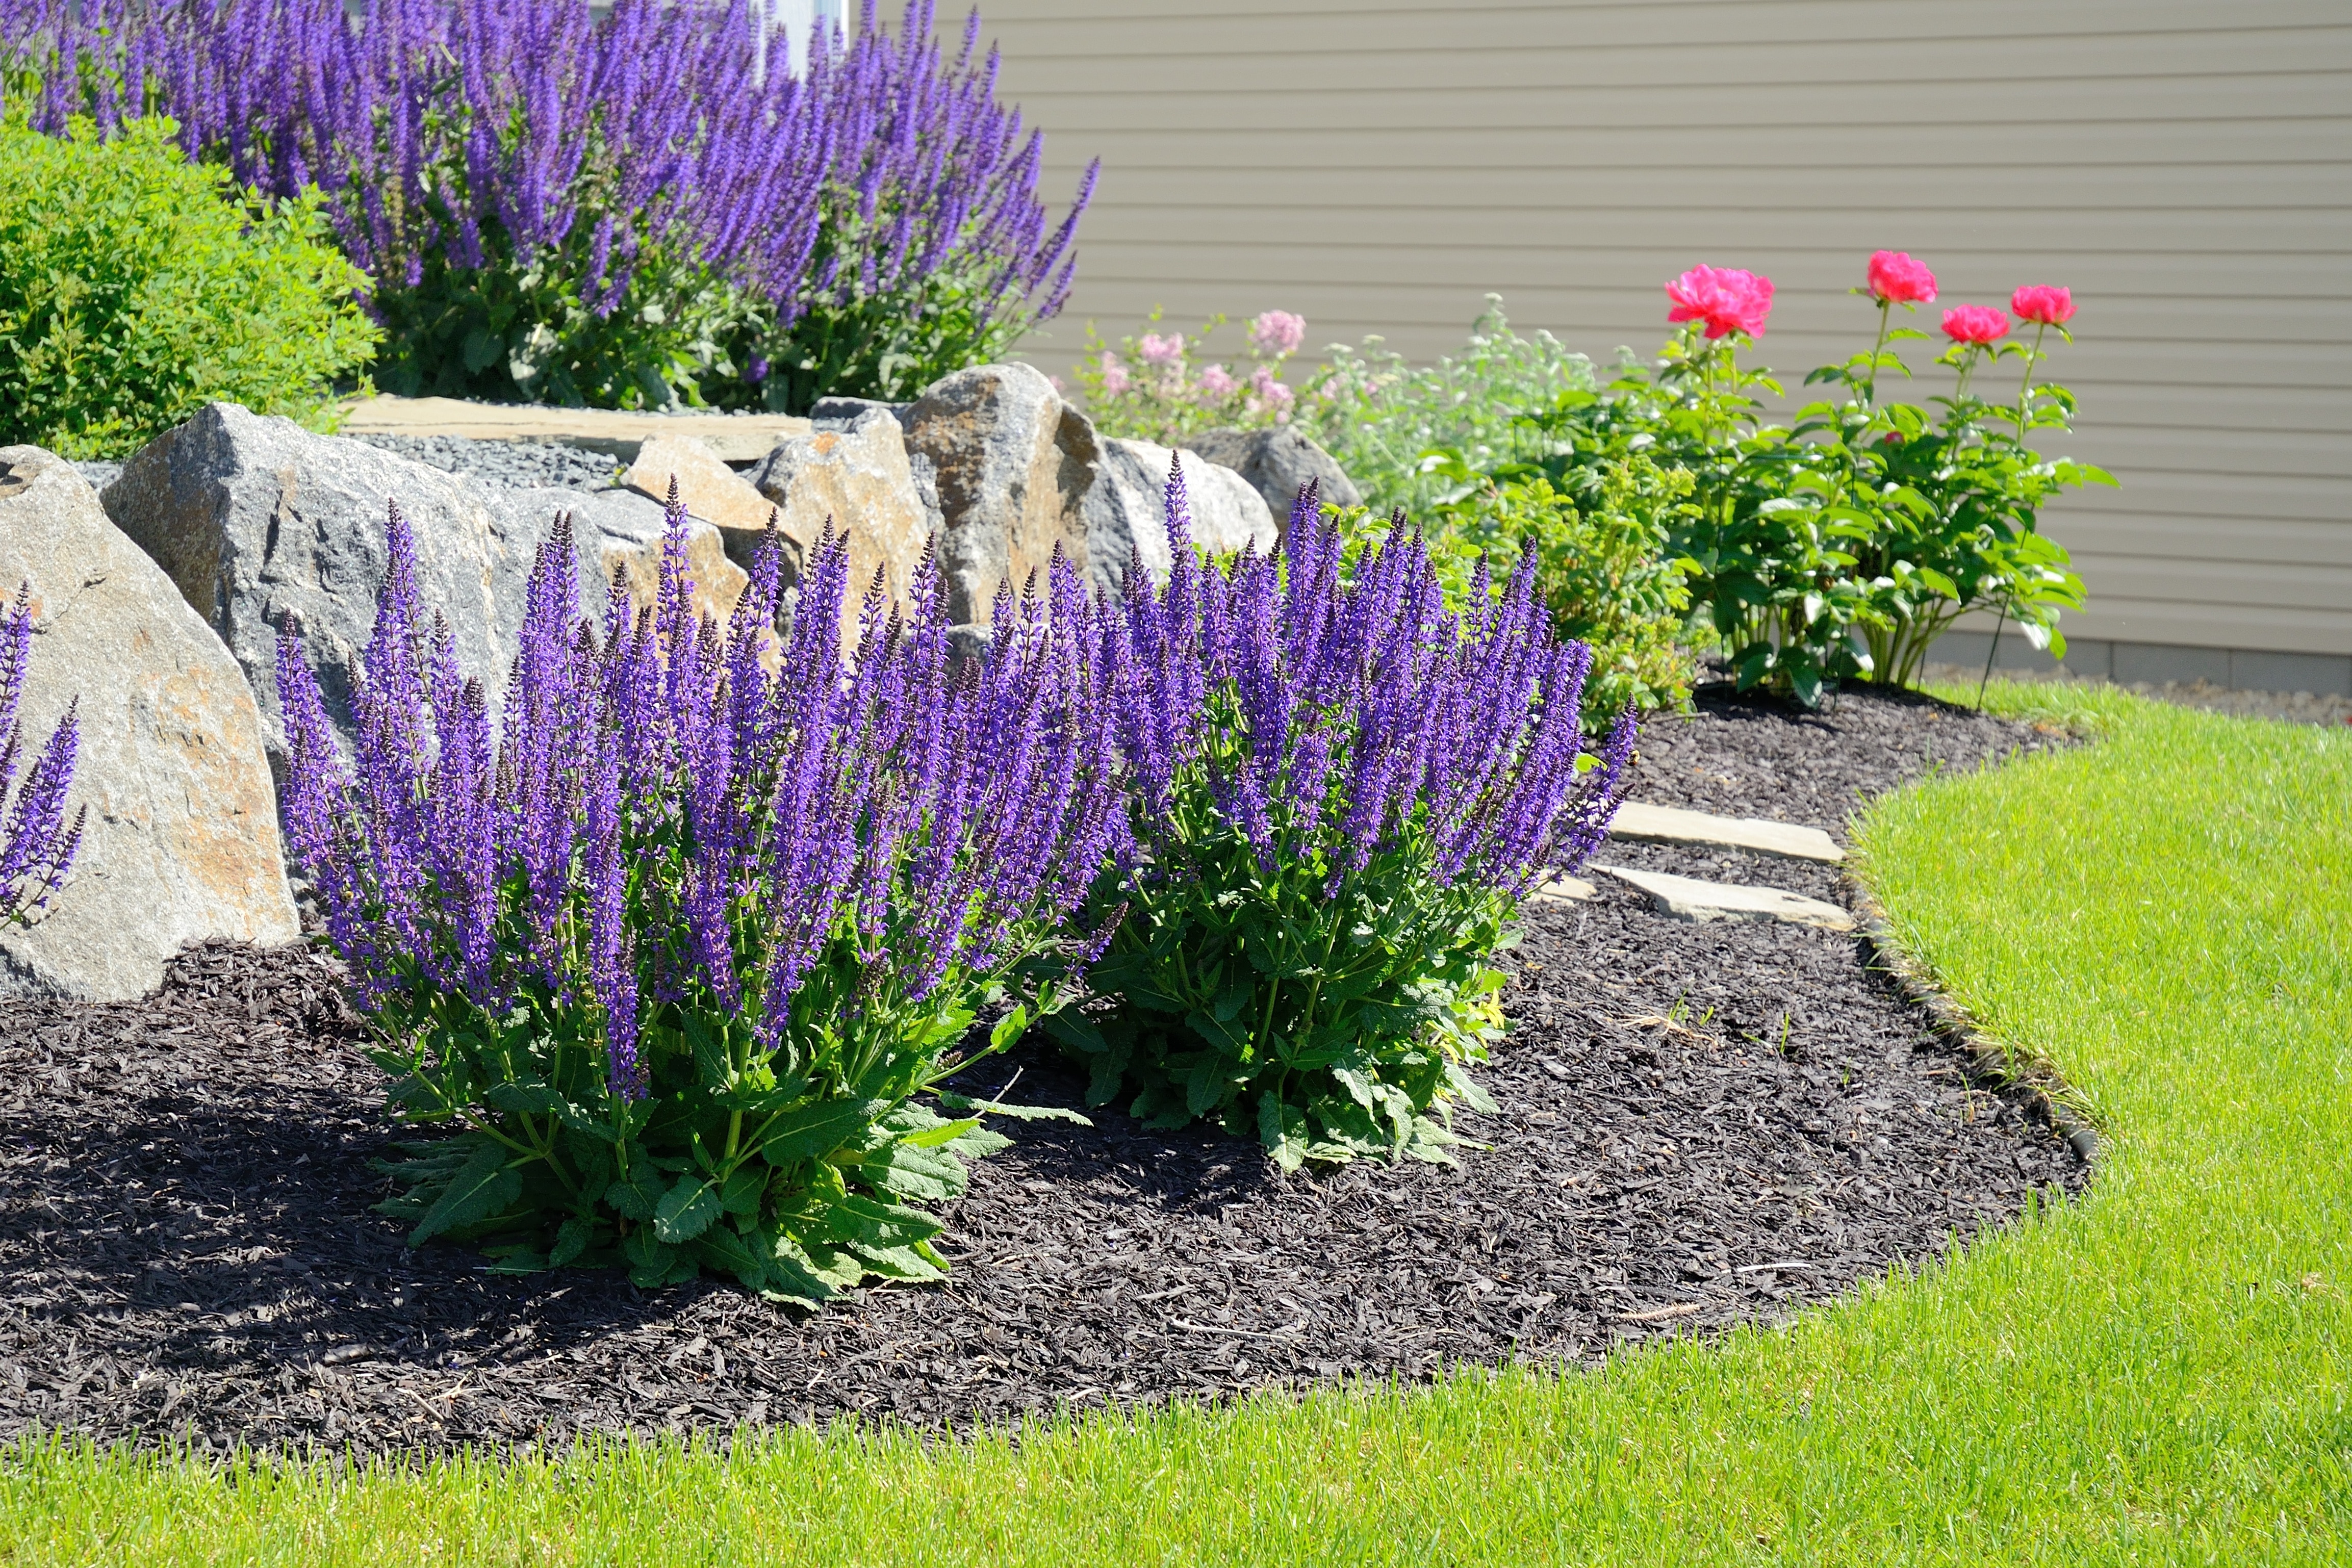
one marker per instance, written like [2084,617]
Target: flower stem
[2030,360]
[1869,388]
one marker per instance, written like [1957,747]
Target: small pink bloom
[1727,299]
[1898,278]
[1217,382]
[1114,375]
[1057,383]
[1277,332]
[1159,350]
[1263,384]
[2041,302]
[1976,323]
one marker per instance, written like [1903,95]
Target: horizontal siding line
[1616,166]
[1030,57]
[1686,209]
[1190,15]
[1686,84]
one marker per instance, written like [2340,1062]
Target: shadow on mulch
[1702,1125]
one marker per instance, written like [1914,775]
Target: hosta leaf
[481,1187]
[686,1210]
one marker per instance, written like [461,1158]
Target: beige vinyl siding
[2185,168]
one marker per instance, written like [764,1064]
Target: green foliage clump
[136,286]
[1380,416]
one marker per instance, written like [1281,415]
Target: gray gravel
[521,464]
[99,473]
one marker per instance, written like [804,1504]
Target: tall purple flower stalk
[672,815]
[677,937]
[1341,790]
[429,122]
[37,844]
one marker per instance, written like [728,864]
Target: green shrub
[1607,568]
[135,287]
[1380,417]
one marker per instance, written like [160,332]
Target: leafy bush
[1841,545]
[680,953]
[1340,790]
[1606,566]
[36,843]
[1380,416]
[136,286]
[1146,387]
[624,212]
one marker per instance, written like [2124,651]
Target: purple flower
[37,844]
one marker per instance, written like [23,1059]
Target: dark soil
[1702,1125]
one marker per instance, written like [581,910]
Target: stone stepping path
[1673,825]
[1566,890]
[1689,898]
[735,437]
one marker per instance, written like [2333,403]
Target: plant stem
[1869,388]
[1987,679]
[2029,361]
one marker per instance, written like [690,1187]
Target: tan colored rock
[624,529]
[181,844]
[1566,890]
[1013,465]
[1673,825]
[862,479]
[734,437]
[1692,898]
[711,490]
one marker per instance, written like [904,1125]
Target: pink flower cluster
[1216,382]
[1277,332]
[1159,350]
[1726,299]
[1115,378]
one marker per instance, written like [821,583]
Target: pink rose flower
[1277,332]
[1216,382]
[1727,299]
[1159,350]
[2044,304]
[1898,278]
[1976,323]
[1114,375]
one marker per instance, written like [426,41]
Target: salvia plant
[1340,790]
[38,844]
[680,947]
[631,210]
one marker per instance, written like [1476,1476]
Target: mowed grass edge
[2156,1371]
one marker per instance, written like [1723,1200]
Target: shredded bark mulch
[1701,1125]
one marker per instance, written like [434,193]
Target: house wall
[2185,168]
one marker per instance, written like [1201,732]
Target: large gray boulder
[1126,511]
[181,842]
[1011,464]
[258,520]
[1276,462]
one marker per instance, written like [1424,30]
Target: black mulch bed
[1702,1125]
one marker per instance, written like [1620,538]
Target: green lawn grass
[2155,1373]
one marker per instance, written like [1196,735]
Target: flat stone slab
[1566,890]
[1673,825]
[1688,898]
[735,437]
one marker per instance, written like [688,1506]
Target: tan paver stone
[1688,898]
[1673,825]
[734,437]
